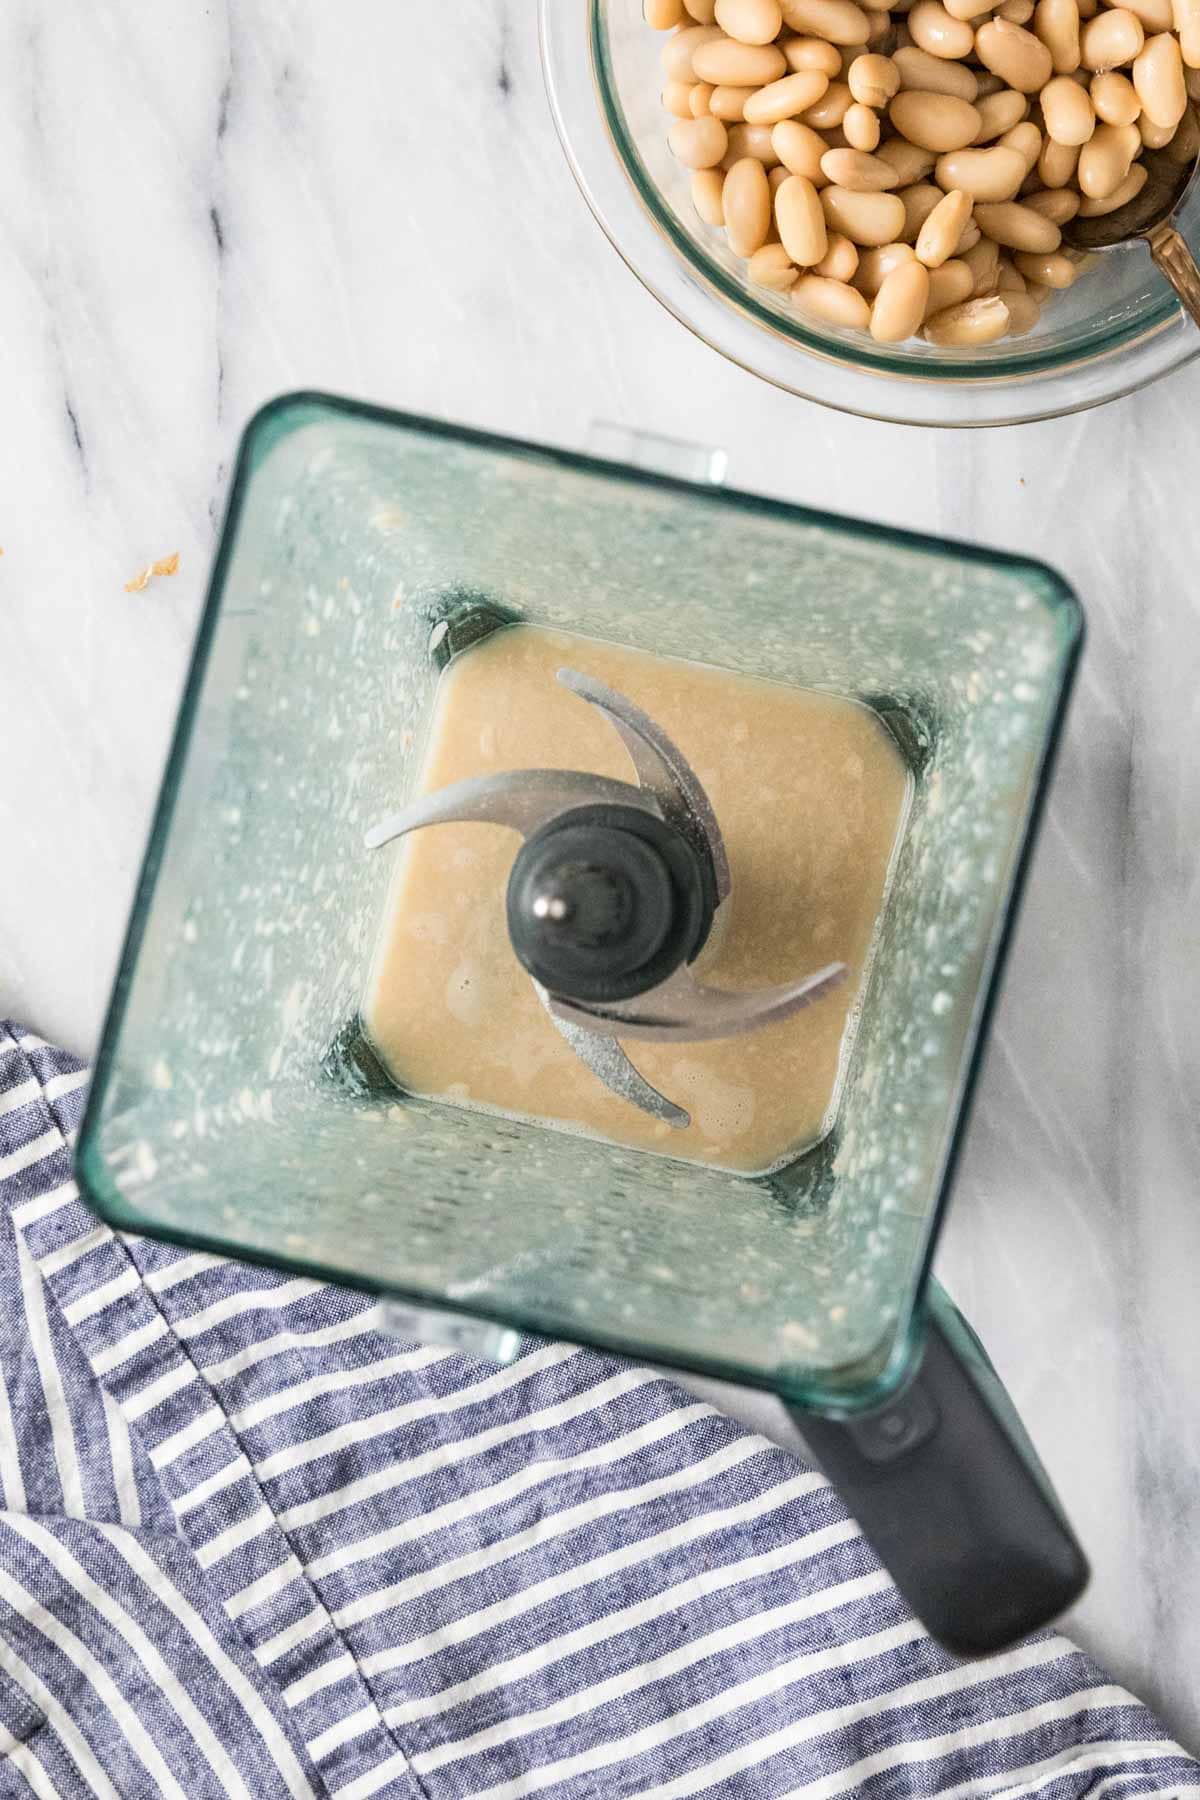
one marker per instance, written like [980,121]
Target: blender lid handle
[949,1492]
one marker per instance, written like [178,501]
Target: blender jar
[238,1107]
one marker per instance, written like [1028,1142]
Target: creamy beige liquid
[810,791]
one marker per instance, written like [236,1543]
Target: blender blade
[609,1063]
[683,1008]
[662,770]
[525,800]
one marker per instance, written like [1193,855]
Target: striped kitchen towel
[251,1546]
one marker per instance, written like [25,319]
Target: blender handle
[950,1494]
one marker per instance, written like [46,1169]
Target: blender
[240,1105]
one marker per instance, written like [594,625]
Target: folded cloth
[252,1546]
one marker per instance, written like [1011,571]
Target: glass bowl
[1117,329]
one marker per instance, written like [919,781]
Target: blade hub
[605,902]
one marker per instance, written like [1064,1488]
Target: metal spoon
[1148,215]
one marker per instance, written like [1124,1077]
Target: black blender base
[952,1498]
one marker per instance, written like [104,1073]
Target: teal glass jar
[237,1106]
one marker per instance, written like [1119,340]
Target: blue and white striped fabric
[250,1546]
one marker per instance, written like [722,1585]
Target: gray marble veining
[200,207]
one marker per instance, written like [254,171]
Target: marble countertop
[203,206]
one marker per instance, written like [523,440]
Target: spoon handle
[1177,263]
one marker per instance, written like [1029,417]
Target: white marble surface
[201,206]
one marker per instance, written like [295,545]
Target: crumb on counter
[166,565]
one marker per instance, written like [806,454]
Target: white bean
[800,149]
[1067,110]
[840,261]
[860,127]
[900,304]
[1053,271]
[750,21]
[1026,139]
[801,221]
[949,285]
[999,112]
[726,63]
[1016,55]
[698,143]
[1153,137]
[708,186]
[772,267]
[1059,204]
[1187,27]
[747,203]
[1056,22]
[937,32]
[1115,98]
[750,140]
[855,169]
[993,174]
[1056,164]
[919,201]
[1111,39]
[873,80]
[937,122]
[1017,227]
[832,301]
[1104,161]
[867,219]
[970,322]
[1156,15]
[839,21]
[983,260]
[1158,79]
[812,53]
[875,265]
[1132,185]
[678,51]
[910,162]
[939,236]
[933,74]
[831,108]
[786,98]
[1023,313]
[729,103]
